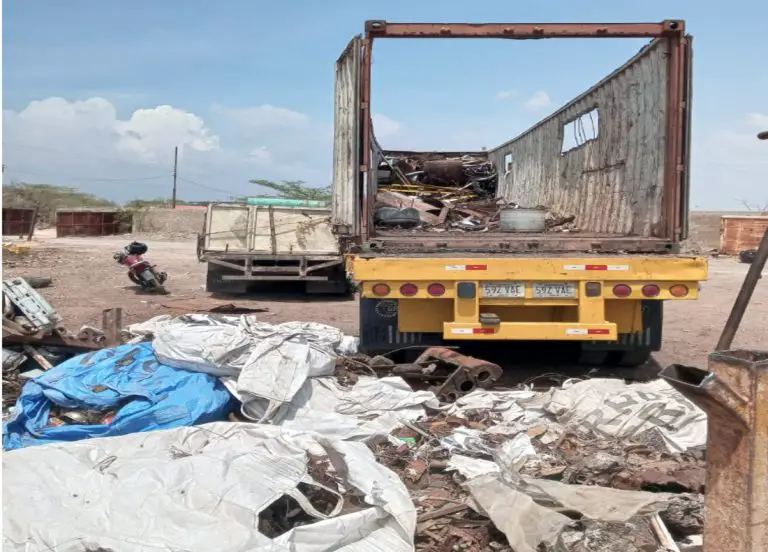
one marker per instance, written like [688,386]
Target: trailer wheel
[630,359]
[215,284]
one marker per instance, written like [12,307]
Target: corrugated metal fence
[18,221]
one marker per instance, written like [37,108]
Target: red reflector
[380,290]
[622,290]
[651,290]
[482,330]
[477,267]
[596,267]
[436,289]
[409,290]
[598,331]
[678,290]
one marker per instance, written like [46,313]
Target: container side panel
[346,142]
[601,156]
[227,228]
[304,232]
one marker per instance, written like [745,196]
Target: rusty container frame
[676,175]
[75,222]
[19,221]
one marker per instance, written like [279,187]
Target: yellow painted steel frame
[581,318]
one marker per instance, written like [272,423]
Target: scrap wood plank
[40,359]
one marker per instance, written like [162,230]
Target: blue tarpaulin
[146,394]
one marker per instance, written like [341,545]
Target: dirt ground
[87,280]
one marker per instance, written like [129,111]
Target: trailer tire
[215,284]
[379,331]
[633,358]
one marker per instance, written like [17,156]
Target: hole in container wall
[507,163]
[581,130]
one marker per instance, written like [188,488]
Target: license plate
[504,289]
[551,290]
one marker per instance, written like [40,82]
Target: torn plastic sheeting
[507,405]
[269,362]
[523,508]
[146,394]
[12,359]
[613,409]
[372,407]
[526,524]
[195,489]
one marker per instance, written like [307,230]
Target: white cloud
[759,121]
[538,102]
[86,144]
[264,116]
[729,165]
[260,155]
[505,94]
[384,127]
[152,133]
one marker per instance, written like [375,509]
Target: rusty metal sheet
[18,221]
[87,223]
[738,233]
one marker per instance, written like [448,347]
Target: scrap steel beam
[734,394]
[522,31]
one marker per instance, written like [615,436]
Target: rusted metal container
[738,233]
[89,222]
[18,221]
[734,394]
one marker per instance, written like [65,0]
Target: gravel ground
[87,280]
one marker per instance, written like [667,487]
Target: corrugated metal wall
[18,221]
[740,233]
[613,184]
[87,223]
[346,142]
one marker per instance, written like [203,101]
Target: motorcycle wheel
[135,279]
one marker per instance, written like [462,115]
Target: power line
[87,178]
[189,181]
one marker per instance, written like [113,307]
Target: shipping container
[19,221]
[624,177]
[740,233]
[613,162]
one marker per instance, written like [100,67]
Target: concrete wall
[612,178]
[168,221]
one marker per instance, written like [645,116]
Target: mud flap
[379,328]
[631,349]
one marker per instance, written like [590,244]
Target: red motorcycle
[140,271]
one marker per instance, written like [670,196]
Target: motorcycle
[140,271]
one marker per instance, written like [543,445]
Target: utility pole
[175,171]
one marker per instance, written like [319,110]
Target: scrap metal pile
[202,410]
[443,192]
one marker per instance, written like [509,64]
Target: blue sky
[96,94]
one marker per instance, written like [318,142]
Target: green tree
[295,189]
